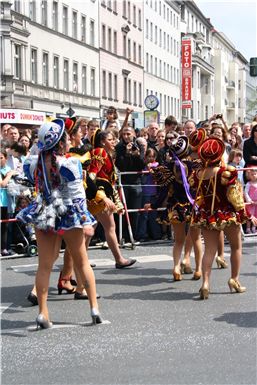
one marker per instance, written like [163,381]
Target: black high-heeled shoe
[32,298]
[42,322]
[96,317]
[78,295]
[61,285]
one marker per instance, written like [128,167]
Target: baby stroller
[24,238]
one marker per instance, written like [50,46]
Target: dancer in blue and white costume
[58,211]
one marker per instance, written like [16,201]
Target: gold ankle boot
[234,284]
[221,263]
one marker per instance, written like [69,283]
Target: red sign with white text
[186,58]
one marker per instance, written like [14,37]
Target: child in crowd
[251,199]
[111,118]
[147,225]
[235,159]
[28,228]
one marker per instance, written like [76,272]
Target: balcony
[206,64]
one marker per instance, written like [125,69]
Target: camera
[135,146]
[219,116]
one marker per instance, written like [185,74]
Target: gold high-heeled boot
[234,284]
[221,263]
[204,292]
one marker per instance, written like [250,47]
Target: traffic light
[253,66]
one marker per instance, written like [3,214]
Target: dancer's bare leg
[107,221]
[48,251]
[210,248]
[180,236]
[75,240]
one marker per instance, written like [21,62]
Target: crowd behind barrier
[136,152]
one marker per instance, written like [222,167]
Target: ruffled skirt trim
[179,213]
[218,220]
[47,218]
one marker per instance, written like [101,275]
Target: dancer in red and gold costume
[219,205]
[102,171]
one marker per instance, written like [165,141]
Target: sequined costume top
[219,199]
[63,207]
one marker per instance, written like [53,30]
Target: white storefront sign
[13,116]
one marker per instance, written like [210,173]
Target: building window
[32,10]
[198,110]
[56,72]
[151,31]
[65,20]
[124,13]
[34,66]
[84,80]
[103,36]
[92,32]
[140,94]
[160,37]
[115,6]
[139,54]
[164,40]
[115,87]
[74,25]
[55,16]
[206,112]
[92,81]
[75,77]
[129,49]
[151,64]
[44,13]
[134,15]
[45,74]
[110,85]
[129,14]
[109,39]
[125,88]
[160,68]
[139,19]
[155,66]
[135,92]
[66,75]
[147,28]
[124,45]
[168,43]
[83,28]
[155,34]
[104,84]
[147,62]
[129,91]
[115,42]
[17,6]
[134,51]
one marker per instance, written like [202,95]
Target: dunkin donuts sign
[13,116]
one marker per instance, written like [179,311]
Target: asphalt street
[156,331]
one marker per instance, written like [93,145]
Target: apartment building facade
[121,55]
[50,57]
[162,45]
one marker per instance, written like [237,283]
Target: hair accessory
[69,124]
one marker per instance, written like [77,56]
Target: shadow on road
[243,320]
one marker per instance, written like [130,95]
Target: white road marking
[3,308]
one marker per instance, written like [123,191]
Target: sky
[237,19]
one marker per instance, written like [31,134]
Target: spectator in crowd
[25,141]
[246,131]
[13,135]
[235,159]
[219,132]
[147,225]
[92,125]
[153,128]
[250,148]
[6,173]
[130,155]
[111,118]
[144,133]
[163,156]
[170,123]
[160,139]
[83,124]
[251,199]
[4,131]
[189,127]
